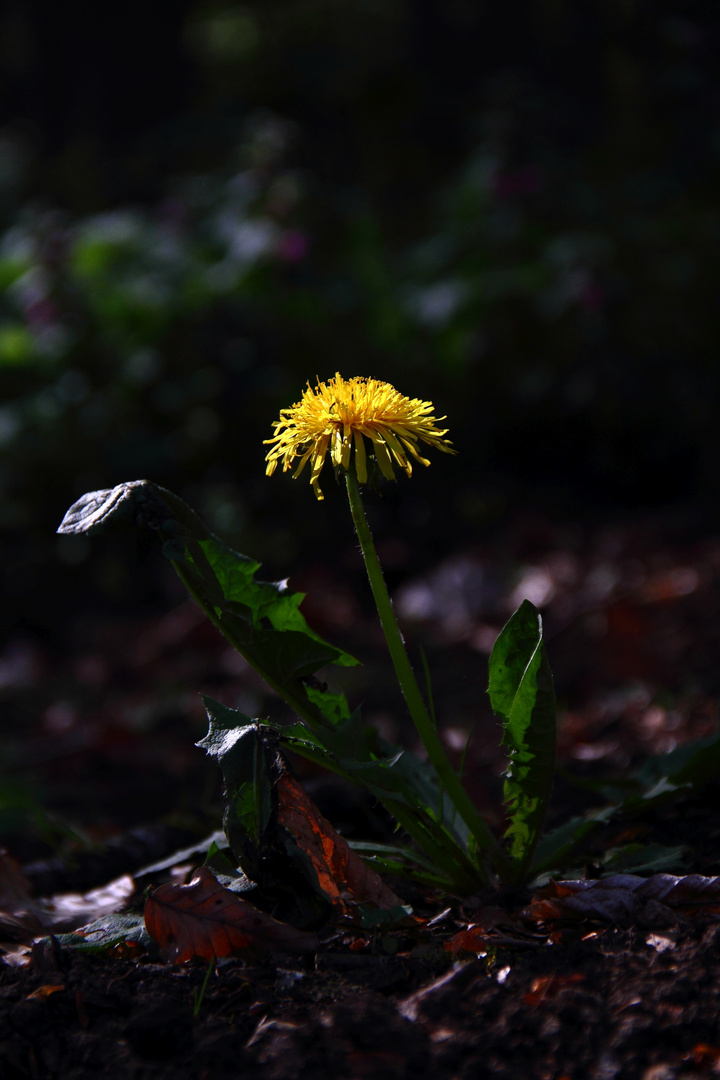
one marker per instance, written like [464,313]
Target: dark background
[510,209]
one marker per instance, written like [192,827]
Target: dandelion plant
[369,430]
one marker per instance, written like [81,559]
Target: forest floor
[103,780]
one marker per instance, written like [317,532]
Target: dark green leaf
[556,847]
[643,859]
[247,753]
[694,764]
[521,692]
[263,622]
[263,599]
[408,789]
[261,619]
[372,916]
[195,853]
[399,860]
[244,759]
[220,861]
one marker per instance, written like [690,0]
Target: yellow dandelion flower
[341,413]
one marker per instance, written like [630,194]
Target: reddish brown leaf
[704,1054]
[548,986]
[44,992]
[340,872]
[474,939]
[206,920]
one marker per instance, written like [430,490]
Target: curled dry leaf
[66,911]
[24,917]
[207,920]
[340,872]
[624,899]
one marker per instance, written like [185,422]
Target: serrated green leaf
[521,692]
[264,599]
[236,743]
[262,620]
[334,706]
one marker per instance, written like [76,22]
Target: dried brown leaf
[624,899]
[207,920]
[340,872]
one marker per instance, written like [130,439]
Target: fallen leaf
[341,873]
[44,992]
[625,899]
[548,986]
[19,957]
[474,939]
[119,935]
[66,911]
[24,917]
[207,920]
[704,1054]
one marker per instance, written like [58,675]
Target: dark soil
[605,1004]
[107,737]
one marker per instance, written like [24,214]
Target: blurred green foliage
[510,209]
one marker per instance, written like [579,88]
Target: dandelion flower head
[340,414]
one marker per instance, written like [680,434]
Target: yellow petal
[383,457]
[414,451]
[336,448]
[346,446]
[360,459]
[398,452]
[301,466]
[331,414]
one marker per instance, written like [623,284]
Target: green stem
[452,859]
[424,726]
